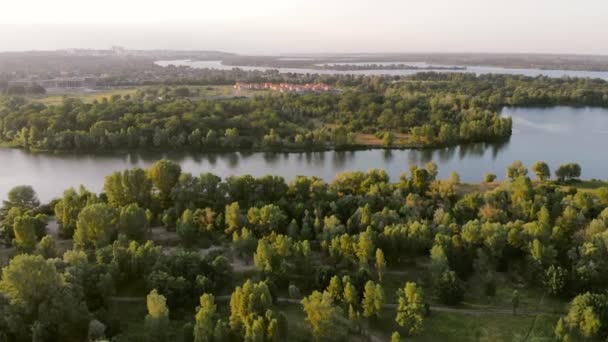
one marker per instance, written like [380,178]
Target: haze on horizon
[309,26]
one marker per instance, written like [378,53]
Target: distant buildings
[284,87]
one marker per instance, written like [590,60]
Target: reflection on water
[50,174]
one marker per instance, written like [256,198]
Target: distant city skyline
[312,26]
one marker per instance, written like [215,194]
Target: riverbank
[366,142]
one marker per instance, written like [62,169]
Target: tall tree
[25,232]
[410,309]
[164,175]
[23,197]
[68,208]
[380,264]
[96,225]
[326,319]
[43,306]
[205,320]
[157,319]
[133,222]
[127,187]
[542,171]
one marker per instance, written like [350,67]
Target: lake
[555,135]
[471,69]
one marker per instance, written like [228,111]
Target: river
[555,135]
[472,69]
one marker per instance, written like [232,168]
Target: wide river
[555,135]
[472,69]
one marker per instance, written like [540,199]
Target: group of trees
[326,244]
[433,109]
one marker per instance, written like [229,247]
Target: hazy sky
[299,26]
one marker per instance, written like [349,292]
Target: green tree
[205,319]
[388,139]
[233,217]
[96,225]
[44,307]
[364,248]
[46,247]
[489,177]
[542,171]
[326,319]
[157,319]
[127,187]
[380,264]
[335,288]
[164,174]
[454,178]
[250,314]
[187,229]
[410,308]
[133,222]
[568,171]
[515,301]
[25,233]
[587,317]
[68,208]
[23,197]
[517,169]
[263,258]
[30,280]
[350,295]
[556,279]
[373,299]
[267,219]
[450,289]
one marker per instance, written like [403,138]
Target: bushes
[450,289]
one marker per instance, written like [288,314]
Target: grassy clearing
[465,188]
[589,185]
[299,329]
[440,326]
[87,97]
[487,327]
[401,139]
[225,91]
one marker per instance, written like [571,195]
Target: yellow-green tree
[24,228]
[96,225]
[205,320]
[410,309]
[164,174]
[157,319]
[380,264]
[326,319]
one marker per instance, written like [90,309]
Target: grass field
[87,97]
[196,92]
[401,139]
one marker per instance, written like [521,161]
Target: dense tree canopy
[333,247]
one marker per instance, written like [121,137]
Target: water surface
[555,135]
[471,69]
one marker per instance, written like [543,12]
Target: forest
[428,109]
[362,257]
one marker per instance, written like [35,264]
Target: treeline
[150,120]
[332,241]
[386,66]
[430,109]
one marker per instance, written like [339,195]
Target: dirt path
[448,309]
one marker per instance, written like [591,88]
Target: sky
[309,26]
